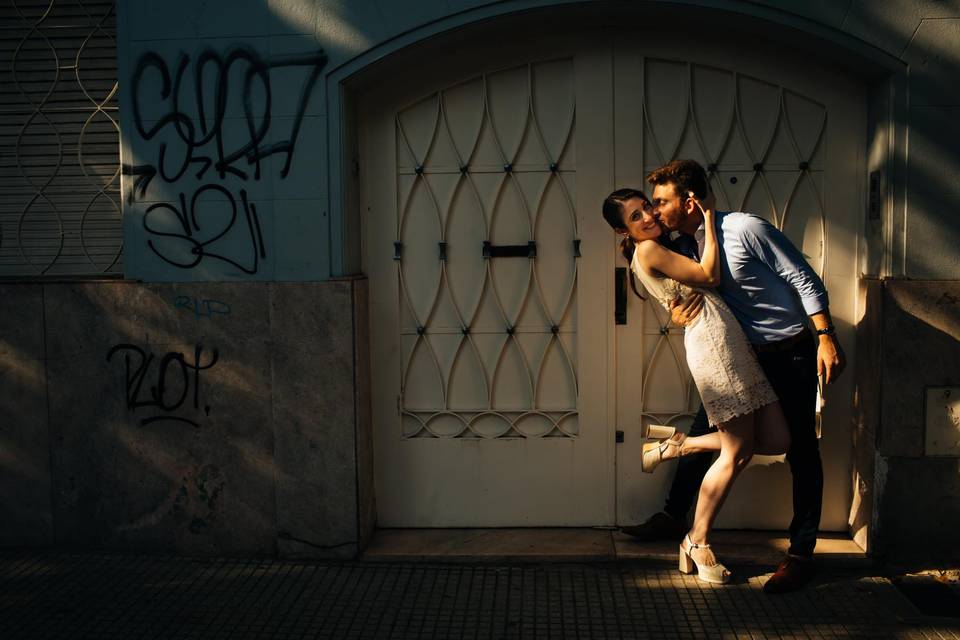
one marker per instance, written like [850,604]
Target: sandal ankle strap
[693,545]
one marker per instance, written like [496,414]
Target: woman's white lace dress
[721,360]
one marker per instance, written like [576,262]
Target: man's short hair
[685,175]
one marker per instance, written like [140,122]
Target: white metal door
[498,381]
[783,139]
[492,405]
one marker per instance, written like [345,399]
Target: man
[772,291]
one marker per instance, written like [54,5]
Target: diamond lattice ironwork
[764,147]
[486,169]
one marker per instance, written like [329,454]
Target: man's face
[668,207]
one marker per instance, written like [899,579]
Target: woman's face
[639,219]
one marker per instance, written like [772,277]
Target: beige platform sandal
[657,431]
[656,452]
[714,573]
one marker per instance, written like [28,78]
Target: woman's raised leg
[676,446]
[706,443]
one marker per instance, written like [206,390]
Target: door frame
[886,151]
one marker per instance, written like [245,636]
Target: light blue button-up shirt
[765,280]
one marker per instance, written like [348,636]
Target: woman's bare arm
[710,260]
[705,273]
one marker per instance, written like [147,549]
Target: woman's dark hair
[613,214]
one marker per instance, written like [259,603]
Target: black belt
[783,345]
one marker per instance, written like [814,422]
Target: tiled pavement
[57,595]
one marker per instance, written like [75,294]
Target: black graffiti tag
[174,233]
[207,129]
[174,379]
[191,244]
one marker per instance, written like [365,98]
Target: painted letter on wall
[215,138]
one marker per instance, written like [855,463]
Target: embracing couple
[747,299]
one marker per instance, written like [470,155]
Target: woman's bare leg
[709,442]
[736,449]
[772,435]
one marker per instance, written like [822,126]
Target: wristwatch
[826,331]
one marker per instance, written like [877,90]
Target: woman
[735,392]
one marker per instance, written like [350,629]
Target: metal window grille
[59,140]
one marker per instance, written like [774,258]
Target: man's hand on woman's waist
[683,311]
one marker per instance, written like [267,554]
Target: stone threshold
[760,548]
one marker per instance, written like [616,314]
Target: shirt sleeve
[769,245]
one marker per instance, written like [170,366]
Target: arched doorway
[500,376]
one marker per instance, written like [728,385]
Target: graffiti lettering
[207,130]
[201,308]
[188,251]
[202,144]
[173,382]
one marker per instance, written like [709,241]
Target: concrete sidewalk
[57,595]
[759,548]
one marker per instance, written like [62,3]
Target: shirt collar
[698,234]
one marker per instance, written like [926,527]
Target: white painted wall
[302,231]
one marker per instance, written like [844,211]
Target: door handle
[620,295]
[528,250]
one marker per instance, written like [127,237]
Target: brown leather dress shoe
[660,526]
[793,573]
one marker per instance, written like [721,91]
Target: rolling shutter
[59,140]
